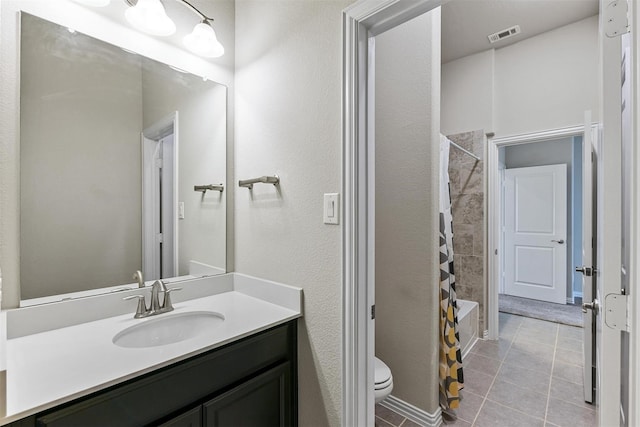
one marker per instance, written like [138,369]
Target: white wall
[544,82]
[467,94]
[288,122]
[406,282]
[543,153]
[88,21]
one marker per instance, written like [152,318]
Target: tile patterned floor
[531,376]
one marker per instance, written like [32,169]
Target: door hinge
[373,312]
[616,312]
[159,238]
[616,19]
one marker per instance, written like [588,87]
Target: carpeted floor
[559,313]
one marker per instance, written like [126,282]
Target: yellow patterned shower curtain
[451,375]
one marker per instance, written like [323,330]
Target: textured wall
[288,122]
[544,82]
[466,177]
[406,251]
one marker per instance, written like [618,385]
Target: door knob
[594,306]
[587,271]
[561,241]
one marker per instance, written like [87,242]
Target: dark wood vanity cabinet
[250,382]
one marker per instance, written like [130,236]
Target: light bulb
[94,3]
[150,17]
[203,41]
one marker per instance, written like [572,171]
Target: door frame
[361,22]
[494,205]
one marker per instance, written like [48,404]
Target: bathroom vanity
[249,382]
[240,371]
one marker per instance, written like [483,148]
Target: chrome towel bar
[275,180]
[212,187]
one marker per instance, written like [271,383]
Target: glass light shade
[150,17]
[94,3]
[203,41]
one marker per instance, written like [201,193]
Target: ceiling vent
[501,35]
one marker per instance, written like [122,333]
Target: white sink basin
[168,329]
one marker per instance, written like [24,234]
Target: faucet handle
[141,310]
[166,304]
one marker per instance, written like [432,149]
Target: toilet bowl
[383,380]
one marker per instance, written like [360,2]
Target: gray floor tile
[568,391]
[388,415]
[379,422]
[570,344]
[565,414]
[516,374]
[469,406]
[408,423]
[533,347]
[569,356]
[523,399]
[482,363]
[456,423]
[477,382]
[541,337]
[508,318]
[493,414]
[573,332]
[528,360]
[566,371]
[494,349]
[537,325]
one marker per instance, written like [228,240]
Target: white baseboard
[417,415]
[485,334]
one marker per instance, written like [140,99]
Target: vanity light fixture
[94,3]
[151,17]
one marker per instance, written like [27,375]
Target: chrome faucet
[155,307]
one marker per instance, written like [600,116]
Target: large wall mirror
[112,148]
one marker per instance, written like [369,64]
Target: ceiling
[467,23]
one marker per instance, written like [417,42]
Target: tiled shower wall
[466,176]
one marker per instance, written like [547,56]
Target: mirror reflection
[112,145]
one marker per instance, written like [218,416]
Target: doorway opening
[159,206]
[540,229]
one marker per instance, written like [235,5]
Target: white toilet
[383,380]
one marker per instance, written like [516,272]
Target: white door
[535,233]
[611,316]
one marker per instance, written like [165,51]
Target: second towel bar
[275,180]
[211,187]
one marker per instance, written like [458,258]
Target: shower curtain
[451,377]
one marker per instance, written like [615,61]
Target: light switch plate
[331,208]
[181,210]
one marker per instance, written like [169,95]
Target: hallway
[531,377]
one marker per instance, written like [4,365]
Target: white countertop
[48,368]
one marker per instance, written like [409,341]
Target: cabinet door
[192,418]
[264,400]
